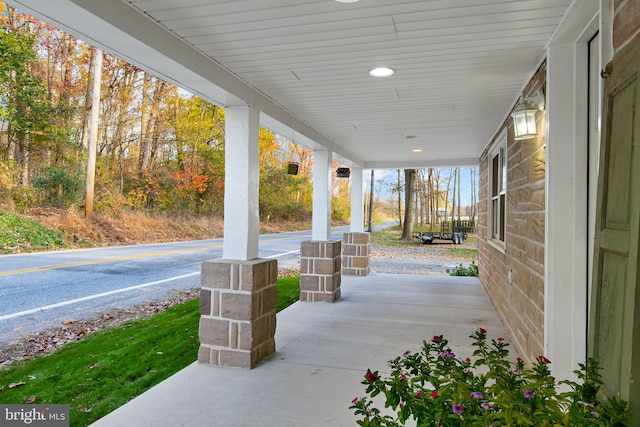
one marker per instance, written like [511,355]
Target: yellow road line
[124,258]
[105,260]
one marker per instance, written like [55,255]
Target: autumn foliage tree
[159,148]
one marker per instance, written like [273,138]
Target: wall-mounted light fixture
[343,172]
[292,168]
[524,115]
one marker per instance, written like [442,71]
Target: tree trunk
[437,180]
[399,202]
[473,194]
[407,231]
[458,176]
[370,229]
[453,196]
[446,199]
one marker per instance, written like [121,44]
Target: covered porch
[322,353]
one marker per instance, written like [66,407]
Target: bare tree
[409,195]
[458,177]
[437,177]
[473,193]
[399,201]
[446,199]
[370,229]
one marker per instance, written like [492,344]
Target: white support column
[242,176]
[567,192]
[562,344]
[321,221]
[357,205]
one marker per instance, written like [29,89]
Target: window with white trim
[498,190]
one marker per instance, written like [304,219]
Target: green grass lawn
[464,253]
[108,368]
[392,237]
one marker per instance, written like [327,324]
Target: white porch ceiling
[460,64]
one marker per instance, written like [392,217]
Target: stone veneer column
[238,312]
[320,271]
[356,254]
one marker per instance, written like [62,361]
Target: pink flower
[354,400]
[500,339]
[436,338]
[487,405]
[419,394]
[434,394]
[482,331]
[544,359]
[457,409]
[529,394]
[370,376]
[403,376]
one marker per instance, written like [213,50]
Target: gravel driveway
[423,259]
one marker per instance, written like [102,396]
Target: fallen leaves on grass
[29,399]
[14,385]
[51,339]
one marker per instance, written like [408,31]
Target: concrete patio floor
[323,351]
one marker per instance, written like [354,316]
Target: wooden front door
[614,336]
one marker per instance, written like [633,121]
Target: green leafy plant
[462,270]
[434,387]
[59,186]
[19,234]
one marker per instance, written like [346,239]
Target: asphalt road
[41,290]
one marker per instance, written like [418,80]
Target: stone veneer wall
[356,254]
[320,267]
[238,312]
[514,279]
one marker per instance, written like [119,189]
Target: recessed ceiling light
[417,150]
[346,1]
[382,72]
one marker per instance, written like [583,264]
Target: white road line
[283,254]
[117,291]
[90,297]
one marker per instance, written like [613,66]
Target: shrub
[437,388]
[24,198]
[60,187]
[461,270]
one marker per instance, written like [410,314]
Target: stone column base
[320,267]
[356,254]
[237,312]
